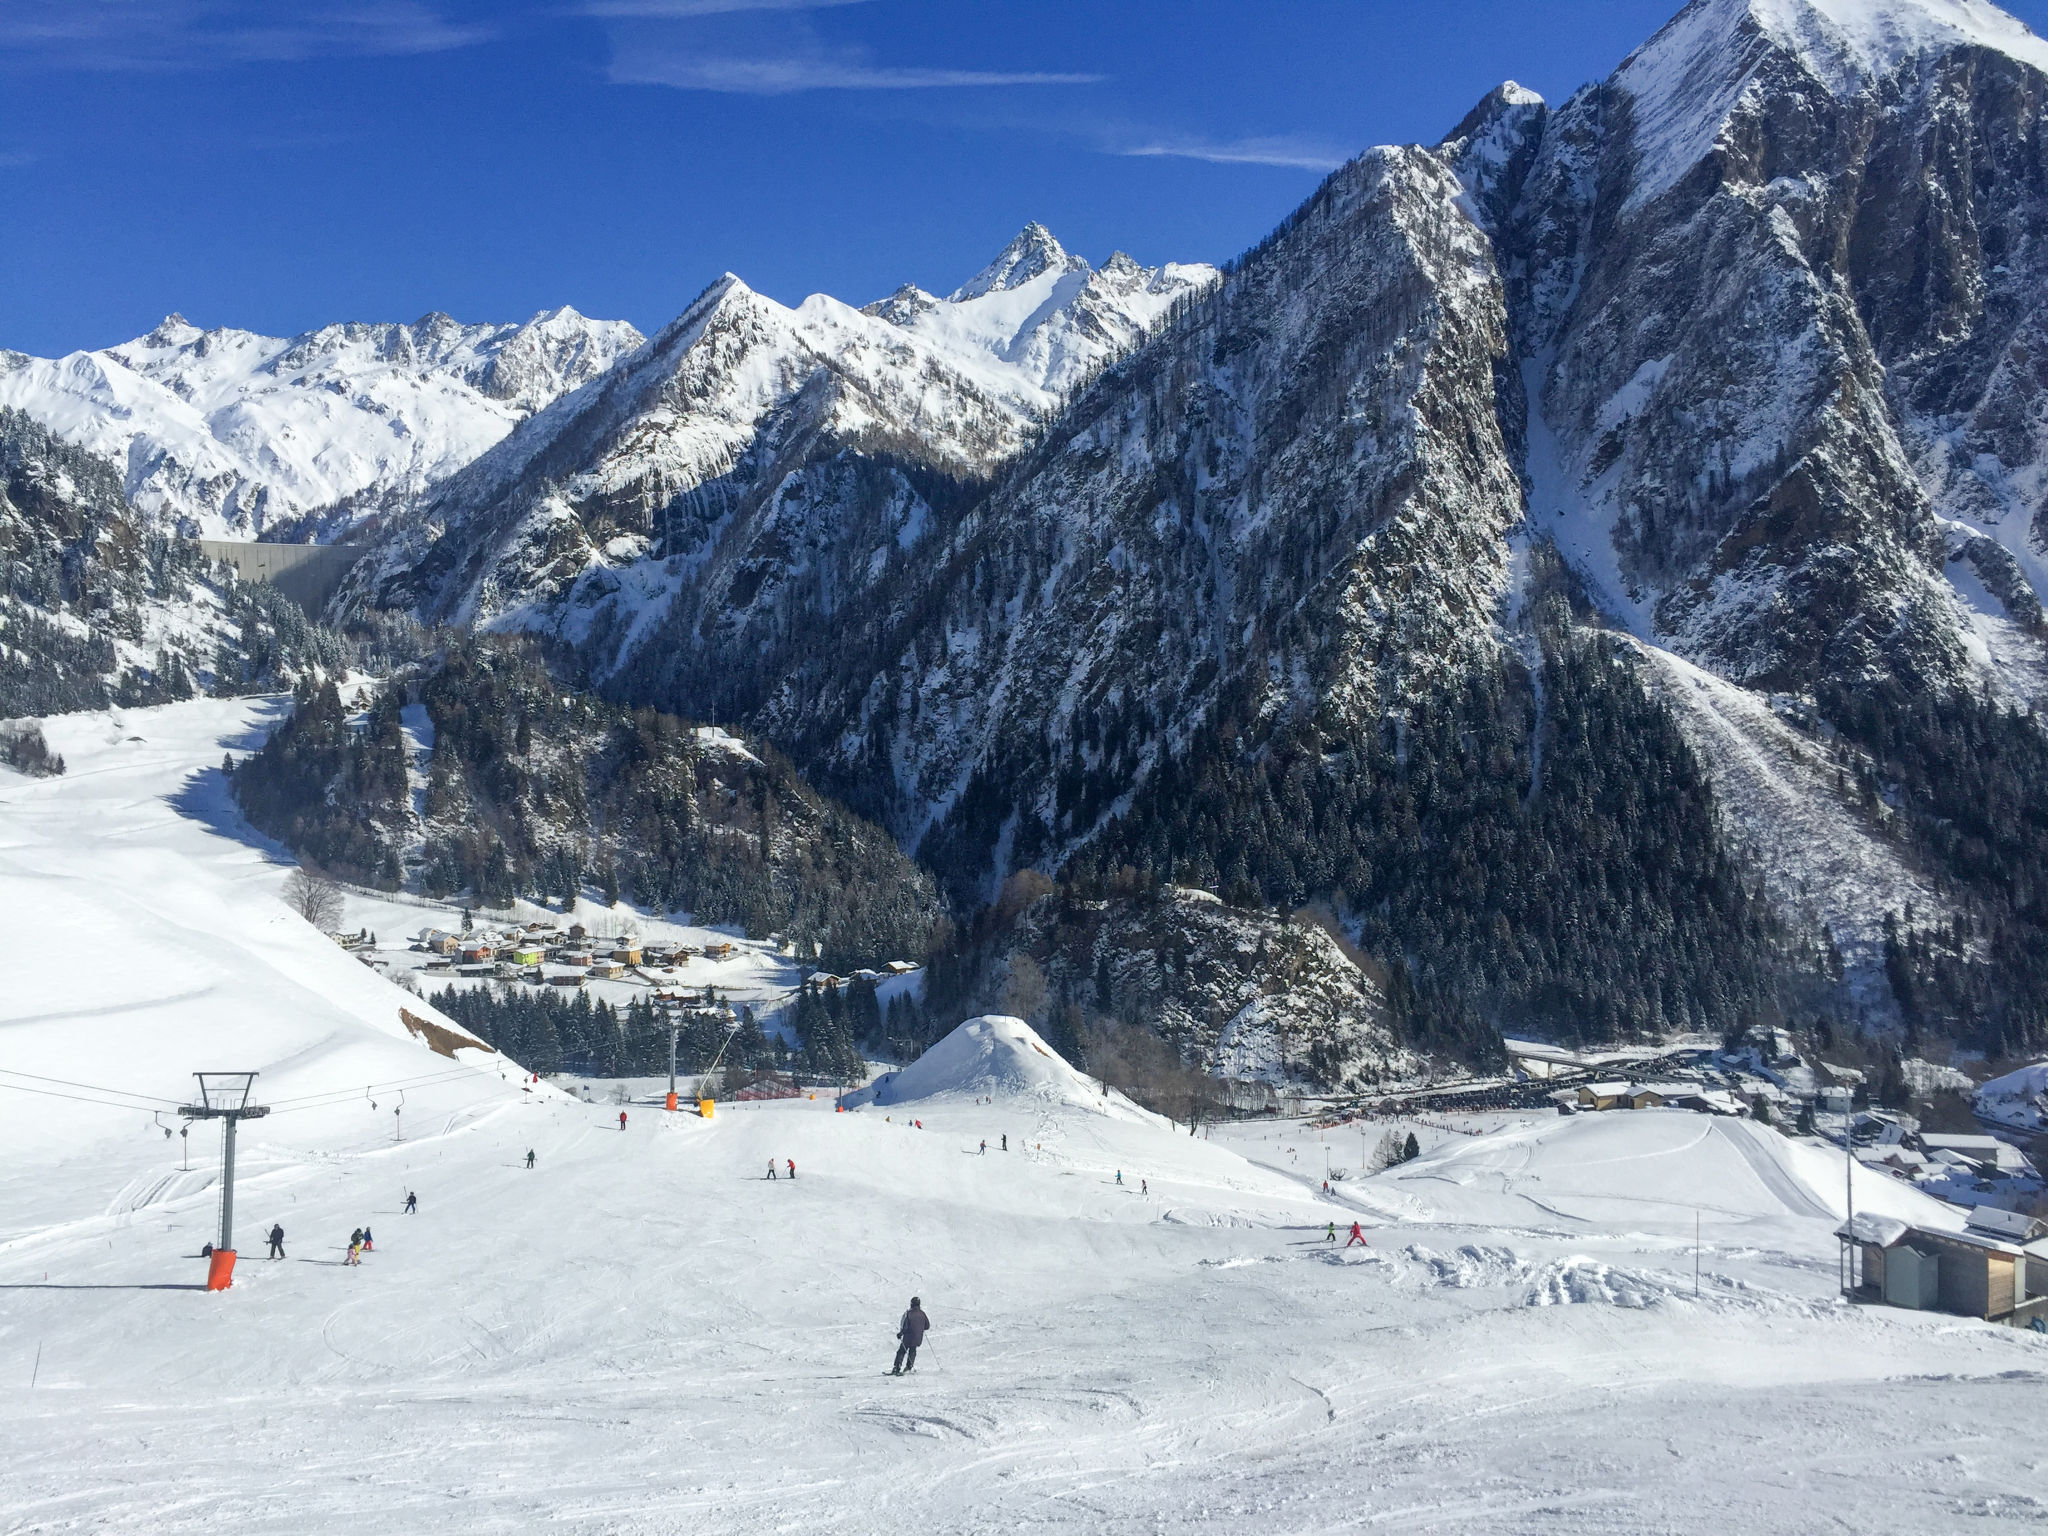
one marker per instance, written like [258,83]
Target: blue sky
[277,164]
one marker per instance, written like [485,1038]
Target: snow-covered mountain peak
[1492,149]
[1031,254]
[228,433]
[1693,76]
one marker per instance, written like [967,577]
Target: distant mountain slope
[227,434]
[525,790]
[97,609]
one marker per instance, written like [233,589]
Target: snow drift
[2017,1101]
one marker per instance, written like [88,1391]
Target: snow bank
[1639,1170]
[2018,1100]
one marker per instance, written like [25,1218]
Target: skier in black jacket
[277,1241]
[911,1331]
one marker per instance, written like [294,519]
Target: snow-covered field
[643,1334]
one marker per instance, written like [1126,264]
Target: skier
[911,1331]
[1119,1176]
[1357,1237]
[1006,1141]
[771,1167]
[277,1241]
[792,1167]
[1144,1186]
[529,1157]
[355,1247]
[1330,1236]
[984,1146]
[369,1244]
[412,1202]
[622,1119]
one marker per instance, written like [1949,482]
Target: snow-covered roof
[2010,1225]
[1869,1227]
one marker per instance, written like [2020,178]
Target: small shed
[1971,1273]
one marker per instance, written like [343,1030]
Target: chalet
[825,981]
[1977,1272]
[899,967]
[527,954]
[872,978]
[565,978]
[718,950]
[580,957]
[627,954]
[476,951]
[1608,1095]
[606,970]
[1987,1154]
[435,942]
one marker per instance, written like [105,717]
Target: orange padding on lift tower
[704,1108]
[671,1101]
[220,1269]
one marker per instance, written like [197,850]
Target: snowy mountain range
[227,434]
[750,445]
[1599,556]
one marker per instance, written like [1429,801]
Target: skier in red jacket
[1357,1237]
[622,1119]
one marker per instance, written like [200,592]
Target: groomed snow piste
[1133,1328]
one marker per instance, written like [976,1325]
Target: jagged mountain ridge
[754,454]
[227,434]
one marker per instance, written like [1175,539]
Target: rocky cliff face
[1767,282]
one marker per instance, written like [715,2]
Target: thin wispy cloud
[786,76]
[202,34]
[677,10]
[1281,150]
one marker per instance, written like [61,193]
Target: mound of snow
[2018,1100]
[1000,1056]
[1648,1169]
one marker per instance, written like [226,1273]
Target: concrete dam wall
[309,574]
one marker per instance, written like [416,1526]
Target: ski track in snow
[642,1335]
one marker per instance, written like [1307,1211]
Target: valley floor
[642,1334]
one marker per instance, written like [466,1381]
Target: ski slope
[643,1334]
